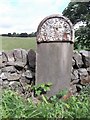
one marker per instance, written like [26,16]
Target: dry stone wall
[80,75]
[17,70]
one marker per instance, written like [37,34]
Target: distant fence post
[55,39]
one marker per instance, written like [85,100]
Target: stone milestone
[54,52]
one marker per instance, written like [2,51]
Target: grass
[13,106]
[10,43]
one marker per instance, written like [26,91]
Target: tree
[9,34]
[23,35]
[14,34]
[33,34]
[80,12]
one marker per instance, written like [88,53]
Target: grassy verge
[13,106]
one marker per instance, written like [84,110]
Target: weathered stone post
[55,39]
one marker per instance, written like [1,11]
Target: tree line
[77,12]
[14,34]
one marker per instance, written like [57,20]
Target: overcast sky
[25,15]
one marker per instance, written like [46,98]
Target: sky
[25,15]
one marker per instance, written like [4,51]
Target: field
[10,43]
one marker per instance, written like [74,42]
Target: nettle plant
[41,88]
